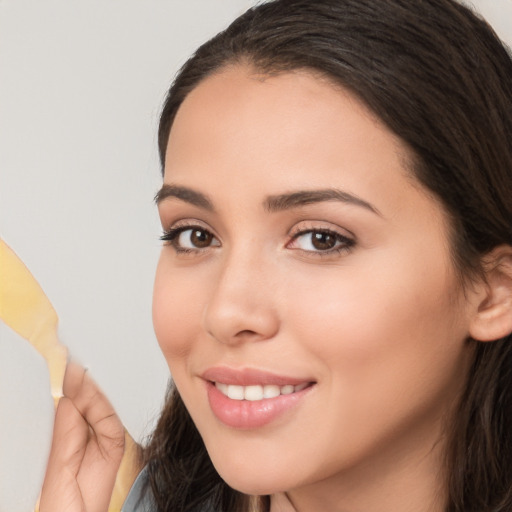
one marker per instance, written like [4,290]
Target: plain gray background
[81,84]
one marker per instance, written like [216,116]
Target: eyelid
[171,234]
[188,223]
[346,238]
[312,225]
[178,222]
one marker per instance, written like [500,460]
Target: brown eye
[322,241]
[194,238]
[200,238]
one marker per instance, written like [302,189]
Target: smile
[248,398]
[258,392]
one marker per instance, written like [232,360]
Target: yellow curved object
[26,309]
[128,471]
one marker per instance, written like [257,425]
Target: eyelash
[343,243]
[172,235]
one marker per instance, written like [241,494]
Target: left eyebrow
[185,194]
[304,197]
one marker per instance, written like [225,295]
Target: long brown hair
[439,78]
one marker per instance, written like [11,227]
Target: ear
[492,319]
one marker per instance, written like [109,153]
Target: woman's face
[307,276]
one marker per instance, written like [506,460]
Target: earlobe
[492,319]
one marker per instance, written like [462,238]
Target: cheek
[377,325]
[388,353]
[177,307]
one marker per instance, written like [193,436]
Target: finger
[73,379]
[97,478]
[98,412]
[105,447]
[70,437]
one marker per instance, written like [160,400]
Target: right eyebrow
[184,194]
[304,197]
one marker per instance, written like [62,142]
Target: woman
[334,294]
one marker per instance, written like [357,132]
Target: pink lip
[249,377]
[244,414]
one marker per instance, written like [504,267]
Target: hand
[87,447]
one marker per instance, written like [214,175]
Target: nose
[241,307]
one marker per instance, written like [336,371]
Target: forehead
[274,103]
[238,126]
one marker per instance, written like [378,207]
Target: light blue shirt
[135,501]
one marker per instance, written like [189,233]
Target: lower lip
[247,414]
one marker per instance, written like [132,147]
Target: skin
[87,447]
[380,326]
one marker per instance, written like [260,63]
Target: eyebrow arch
[185,194]
[304,197]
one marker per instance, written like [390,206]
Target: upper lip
[249,377]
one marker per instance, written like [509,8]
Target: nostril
[246,333]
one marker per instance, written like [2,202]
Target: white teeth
[287,390]
[270,391]
[253,393]
[257,392]
[235,392]
[223,388]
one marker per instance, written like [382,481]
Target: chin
[253,488]
[253,479]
